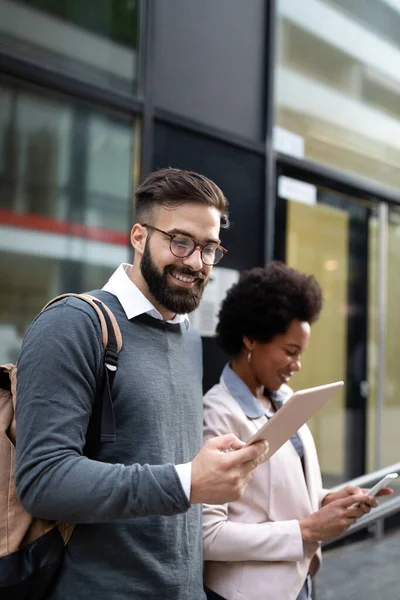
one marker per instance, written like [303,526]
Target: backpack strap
[112,343]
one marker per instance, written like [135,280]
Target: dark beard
[172,297]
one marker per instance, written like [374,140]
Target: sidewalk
[365,571]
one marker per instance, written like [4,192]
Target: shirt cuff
[185,475]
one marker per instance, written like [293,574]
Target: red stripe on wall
[49,225]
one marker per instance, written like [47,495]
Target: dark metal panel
[240,174]
[165,116]
[209,62]
[147,88]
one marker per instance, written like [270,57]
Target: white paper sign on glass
[205,317]
[287,142]
[293,189]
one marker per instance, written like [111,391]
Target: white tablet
[294,413]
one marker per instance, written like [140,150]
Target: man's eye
[182,243]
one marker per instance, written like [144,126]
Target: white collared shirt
[135,303]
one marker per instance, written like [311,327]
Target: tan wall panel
[317,243]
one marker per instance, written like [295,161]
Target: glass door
[333,236]
[390,440]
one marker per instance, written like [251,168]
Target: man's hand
[351,490]
[223,468]
[335,517]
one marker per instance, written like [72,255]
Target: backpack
[31,549]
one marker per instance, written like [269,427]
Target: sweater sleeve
[58,367]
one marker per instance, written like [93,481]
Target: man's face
[177,284]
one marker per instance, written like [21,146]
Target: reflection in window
[36,148]
[93,40]
[109,162]
[111,19]
[65,203]
[29,283]
[340,95]
[64,162]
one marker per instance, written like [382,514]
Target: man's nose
[194,261]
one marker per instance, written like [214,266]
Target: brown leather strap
[12,373]
[92,301]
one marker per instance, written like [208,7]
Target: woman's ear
[248,343]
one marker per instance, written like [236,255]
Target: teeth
[182,278]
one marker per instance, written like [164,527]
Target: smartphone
[384,482]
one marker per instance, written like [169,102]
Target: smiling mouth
[185,279]
[285,378]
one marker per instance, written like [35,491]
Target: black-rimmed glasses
[183,246]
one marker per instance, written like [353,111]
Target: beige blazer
[253,548]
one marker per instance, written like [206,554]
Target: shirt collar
[132,300]
[241,393]
[249,404]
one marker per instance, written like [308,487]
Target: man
[138,505]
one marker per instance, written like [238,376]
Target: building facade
[293,108]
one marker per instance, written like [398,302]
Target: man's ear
[138,237]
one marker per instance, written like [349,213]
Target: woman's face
[274,363]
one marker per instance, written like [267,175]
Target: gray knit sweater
[137,536]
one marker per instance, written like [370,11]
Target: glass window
[391,416]
[95,41]
[66,207]
[338,83]
[36,146]
[109,161]
[390,442]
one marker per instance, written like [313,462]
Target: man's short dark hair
[170,188]
[264,302]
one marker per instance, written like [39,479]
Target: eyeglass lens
[182,246]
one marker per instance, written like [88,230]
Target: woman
[267,545]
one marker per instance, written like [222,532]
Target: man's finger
[225,442]
[255,452]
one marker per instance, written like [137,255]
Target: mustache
[185,271]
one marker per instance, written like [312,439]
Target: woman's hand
[351,490]
[335,517]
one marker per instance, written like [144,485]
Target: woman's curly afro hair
[264,302]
